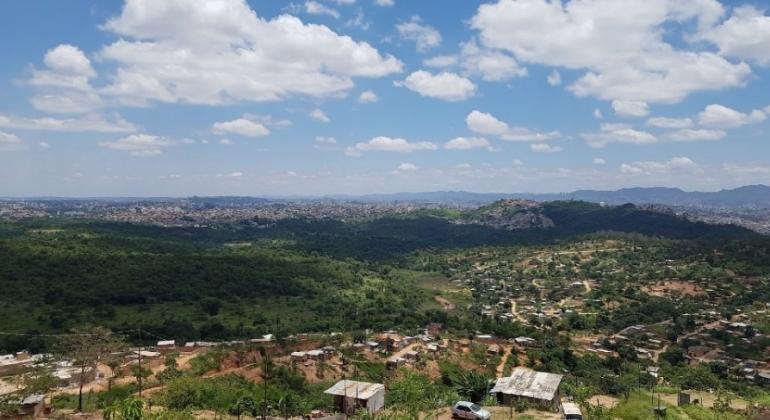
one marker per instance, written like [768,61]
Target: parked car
[469,410]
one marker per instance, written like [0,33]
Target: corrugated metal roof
[571,408]
[525,382]
[355,389]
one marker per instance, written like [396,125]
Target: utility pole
[140,363]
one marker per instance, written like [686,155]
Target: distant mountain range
[750,196]
[747,196]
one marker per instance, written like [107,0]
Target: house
[32,406]
[298,356]
[525,341]
[493,349]
[395,362]
[316,355]
[697,351]
[542,388]
[165,346]
[350,396]
[571,411]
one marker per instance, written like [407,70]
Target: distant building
[539,387]
[350,396]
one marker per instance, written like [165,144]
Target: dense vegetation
[239,281]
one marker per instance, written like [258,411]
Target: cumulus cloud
[664,122]
[385,3]
[446,86]
[677,164]
[367,97]
[406,167]
[723,117]
[232,55]
[141,145]
[388,144]
[320,116]
[618,133]
[65,82]
[474,60]
[745,35]
[619,44]
[598,114]
[325,140]
[545,148]
[316,8]
[554,79]
[240,126]
[599,161]
[10,142]
[485,123]
[94,122]
[689,134]
[465,143]
[424,36]
[630,108]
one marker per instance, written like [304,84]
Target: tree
[85,347]
[471,385]
[140,373]
[128,409]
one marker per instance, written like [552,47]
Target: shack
[350,396]
[542,388]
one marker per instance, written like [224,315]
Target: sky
[279,98]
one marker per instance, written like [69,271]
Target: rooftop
[525,382]
[358,390]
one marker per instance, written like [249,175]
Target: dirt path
[501,367]
[406,349]
[448,306]
[518,316]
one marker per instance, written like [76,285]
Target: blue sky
[228,97]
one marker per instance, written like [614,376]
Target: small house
[350,396]
[541,388]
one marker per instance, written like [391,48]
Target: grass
[638,407]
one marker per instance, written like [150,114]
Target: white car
[469,410]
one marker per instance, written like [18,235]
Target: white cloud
[554,79]
[723,117]
[10,142]
[545,148]
[65,82]
[236,174]
[663,122]
[745,35]
[44,145]
[618,133]
[325,140]
[424,36]
[463,166]
[345,2]
[367,97]
[407,167]
[95,122]
[445,86]
[320,116]
[232,55]
[484,123]
[630,108]
[689,134]
[67,67]
[677,164]
[473,60]
[226,142]
[240,126]
[598,114]
[441,61]
[388,144]
[465,143]
[385,3]
[141,145]
[620,44]
[599,161]
[316,8]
